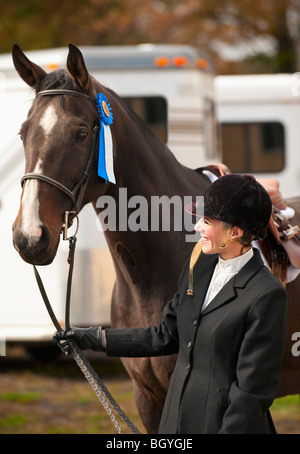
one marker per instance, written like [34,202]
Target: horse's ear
[28,71]
[77,68]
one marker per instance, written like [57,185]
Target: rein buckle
[68,222]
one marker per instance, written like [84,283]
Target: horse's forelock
[57,79]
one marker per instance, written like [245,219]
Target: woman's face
[213,233]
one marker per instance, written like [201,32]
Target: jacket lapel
[228,292]
[225,295]
[203,272]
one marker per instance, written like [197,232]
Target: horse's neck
[144,167]
[147,167]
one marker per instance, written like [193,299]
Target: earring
[222,246]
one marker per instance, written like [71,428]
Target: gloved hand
[86,338]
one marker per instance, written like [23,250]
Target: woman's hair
[246,239]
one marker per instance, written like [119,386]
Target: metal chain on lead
[81,362]
[100,389]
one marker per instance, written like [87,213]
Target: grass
[56,399]
[12,423]
[286,414]
[292,403]
[20,397]
[33,403]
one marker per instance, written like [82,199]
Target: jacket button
[189,344]
[188,367]
[195,322]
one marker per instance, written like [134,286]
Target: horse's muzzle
[34,249]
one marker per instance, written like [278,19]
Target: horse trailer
[258,119]
[172,89]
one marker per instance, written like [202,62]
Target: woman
[227,322]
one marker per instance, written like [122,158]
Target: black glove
[86,338]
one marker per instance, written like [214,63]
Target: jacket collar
[228,292]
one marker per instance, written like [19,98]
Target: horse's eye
[80,136]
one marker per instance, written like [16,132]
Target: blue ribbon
[105,160]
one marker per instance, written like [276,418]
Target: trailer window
[153,110]
[253,147]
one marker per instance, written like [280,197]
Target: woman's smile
[219,237]
[212,233]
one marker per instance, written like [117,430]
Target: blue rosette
[104,109]
[105,160]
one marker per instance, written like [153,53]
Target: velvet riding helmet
[238,200]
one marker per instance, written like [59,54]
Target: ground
[38,397]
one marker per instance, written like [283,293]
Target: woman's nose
[199,226]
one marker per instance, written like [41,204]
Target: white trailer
[172,88]
[259,118]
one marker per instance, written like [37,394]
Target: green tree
[268,32]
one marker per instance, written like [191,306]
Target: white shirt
[224,271]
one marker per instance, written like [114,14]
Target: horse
[59,138]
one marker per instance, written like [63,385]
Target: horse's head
[58,137]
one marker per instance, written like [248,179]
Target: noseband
[76,194]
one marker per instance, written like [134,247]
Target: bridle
[77,193]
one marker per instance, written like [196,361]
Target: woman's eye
[81,136]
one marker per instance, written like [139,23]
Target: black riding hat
[238,200]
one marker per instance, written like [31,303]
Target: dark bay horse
[57,138]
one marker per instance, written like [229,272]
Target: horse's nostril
[45,237]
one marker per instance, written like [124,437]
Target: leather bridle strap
[64,92]
[76,195]
[39,176]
